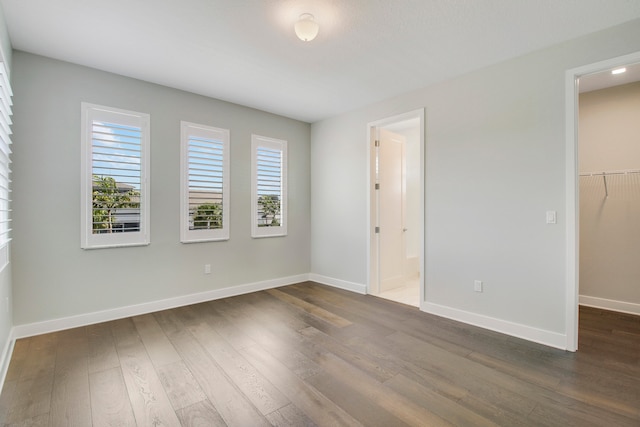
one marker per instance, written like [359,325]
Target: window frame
[188,235]
[257,142]
[89,114]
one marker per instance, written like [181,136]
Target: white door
[391,194]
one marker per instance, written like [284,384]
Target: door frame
[573,188]
[372,253]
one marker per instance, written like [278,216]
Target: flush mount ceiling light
[618,70]
[306,28]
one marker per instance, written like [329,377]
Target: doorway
[396,216]
[574,78]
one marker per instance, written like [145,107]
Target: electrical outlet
[477,285]
[207,269]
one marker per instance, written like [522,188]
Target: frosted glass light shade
[306,28]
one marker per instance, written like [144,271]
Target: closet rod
[605,173]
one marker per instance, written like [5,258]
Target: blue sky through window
[205,164]
[116,152]
[269,163]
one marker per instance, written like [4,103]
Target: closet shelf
[605,174]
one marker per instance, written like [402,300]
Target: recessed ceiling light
[618,70]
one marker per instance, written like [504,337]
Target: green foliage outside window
[108,197]
[269,205]
[207,216]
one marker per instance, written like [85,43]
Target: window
[204,207]
[115,191]
[269,187]
[5,161]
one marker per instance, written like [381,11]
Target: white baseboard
[609,304]
[549,338]
[31,329]
[5,358]
[337,283]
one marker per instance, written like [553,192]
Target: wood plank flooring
[306,355]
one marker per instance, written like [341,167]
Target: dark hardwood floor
[307,355]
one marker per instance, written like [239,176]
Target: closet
[609,164]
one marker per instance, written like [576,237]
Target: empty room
[319,212]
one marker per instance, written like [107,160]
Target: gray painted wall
[5,42]
[495,163]
[54,278]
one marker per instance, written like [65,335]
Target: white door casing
[373,131]
[573,190]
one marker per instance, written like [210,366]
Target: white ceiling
[245,51]
[605,79]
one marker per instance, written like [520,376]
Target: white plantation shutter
[269,192]
[5,161]
[115,191]
[120,162]
[204,210]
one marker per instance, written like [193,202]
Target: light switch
[551,217]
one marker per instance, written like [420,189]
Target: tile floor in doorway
[408,294]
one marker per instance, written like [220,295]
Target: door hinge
[377,143]
[377,230]
[377,186]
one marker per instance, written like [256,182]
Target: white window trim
[274,144]
[89,240]
[193,236]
